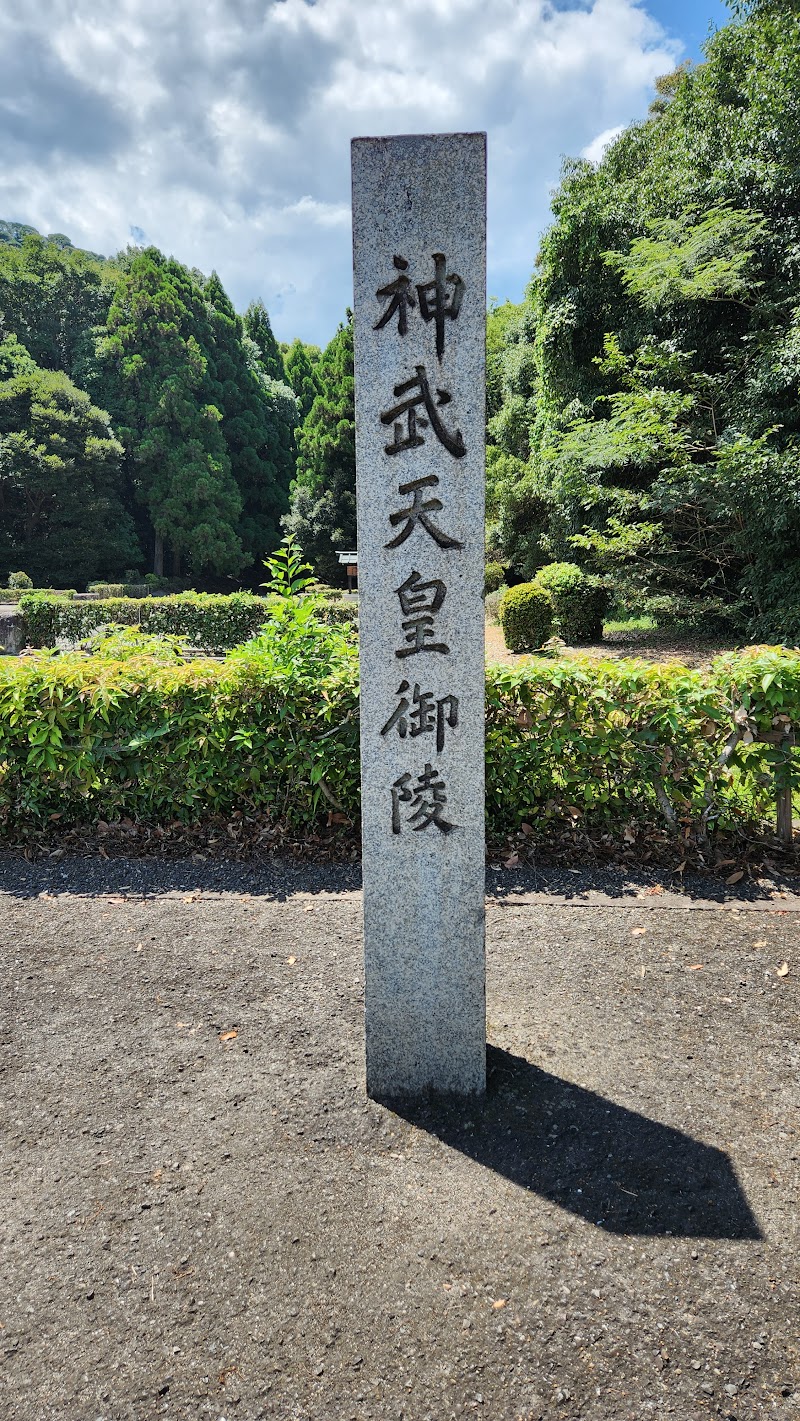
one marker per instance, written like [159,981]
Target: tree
[257,325]
[259,414]
[322,516]
[61,513]
[302,365]
[51,295]
[153,371]
[662,415]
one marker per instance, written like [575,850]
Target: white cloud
[222,129]
[594,151]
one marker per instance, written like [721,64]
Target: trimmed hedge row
[213,621]
[82,738]
[15,594]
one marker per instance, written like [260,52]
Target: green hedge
[83,738]
[121,589]
[15,594]
[213,622]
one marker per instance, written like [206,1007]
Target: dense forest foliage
[644,403]
[140,417]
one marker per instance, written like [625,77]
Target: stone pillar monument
[419,253]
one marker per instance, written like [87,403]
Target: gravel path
[204,1217]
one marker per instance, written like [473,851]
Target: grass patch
[644,623]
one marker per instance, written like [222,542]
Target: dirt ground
[649,646]
[203,1215]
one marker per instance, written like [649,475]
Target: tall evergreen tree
[51,295]
[323,508]
[257,325]
[153,371]
[302,364]
[259,414]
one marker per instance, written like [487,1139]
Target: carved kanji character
[418,513]
[423,713]
[434,302]
[401,298]
[419,601]
[427,801]
[412,439]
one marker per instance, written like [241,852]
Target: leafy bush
[83,737]
[608,741]
[151,585]
[493,577]
[779,624]
[289,575]
[212,621]
[705,616]
[115,643]
[526,616]
[580,601]
[120,589]
[19,580]
[299,643]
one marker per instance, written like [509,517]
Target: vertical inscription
[419,308]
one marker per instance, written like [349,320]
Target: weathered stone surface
[11,630]
[419,223]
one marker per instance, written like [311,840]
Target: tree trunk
[176,562]
[158,556]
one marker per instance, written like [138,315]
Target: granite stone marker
[419,255]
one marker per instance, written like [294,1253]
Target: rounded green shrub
[526,616]
[493,577]
[19,580]
[580,601]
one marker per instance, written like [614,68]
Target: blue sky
[220,130]
[689,20]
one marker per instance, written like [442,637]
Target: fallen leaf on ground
[228,1035]
[291,961]
[695,967]
[308,908]
[783,970]
[526,828]
[681,867]
[652,892]
[734,877]
[499,1302]
[511,861]
[638,932]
